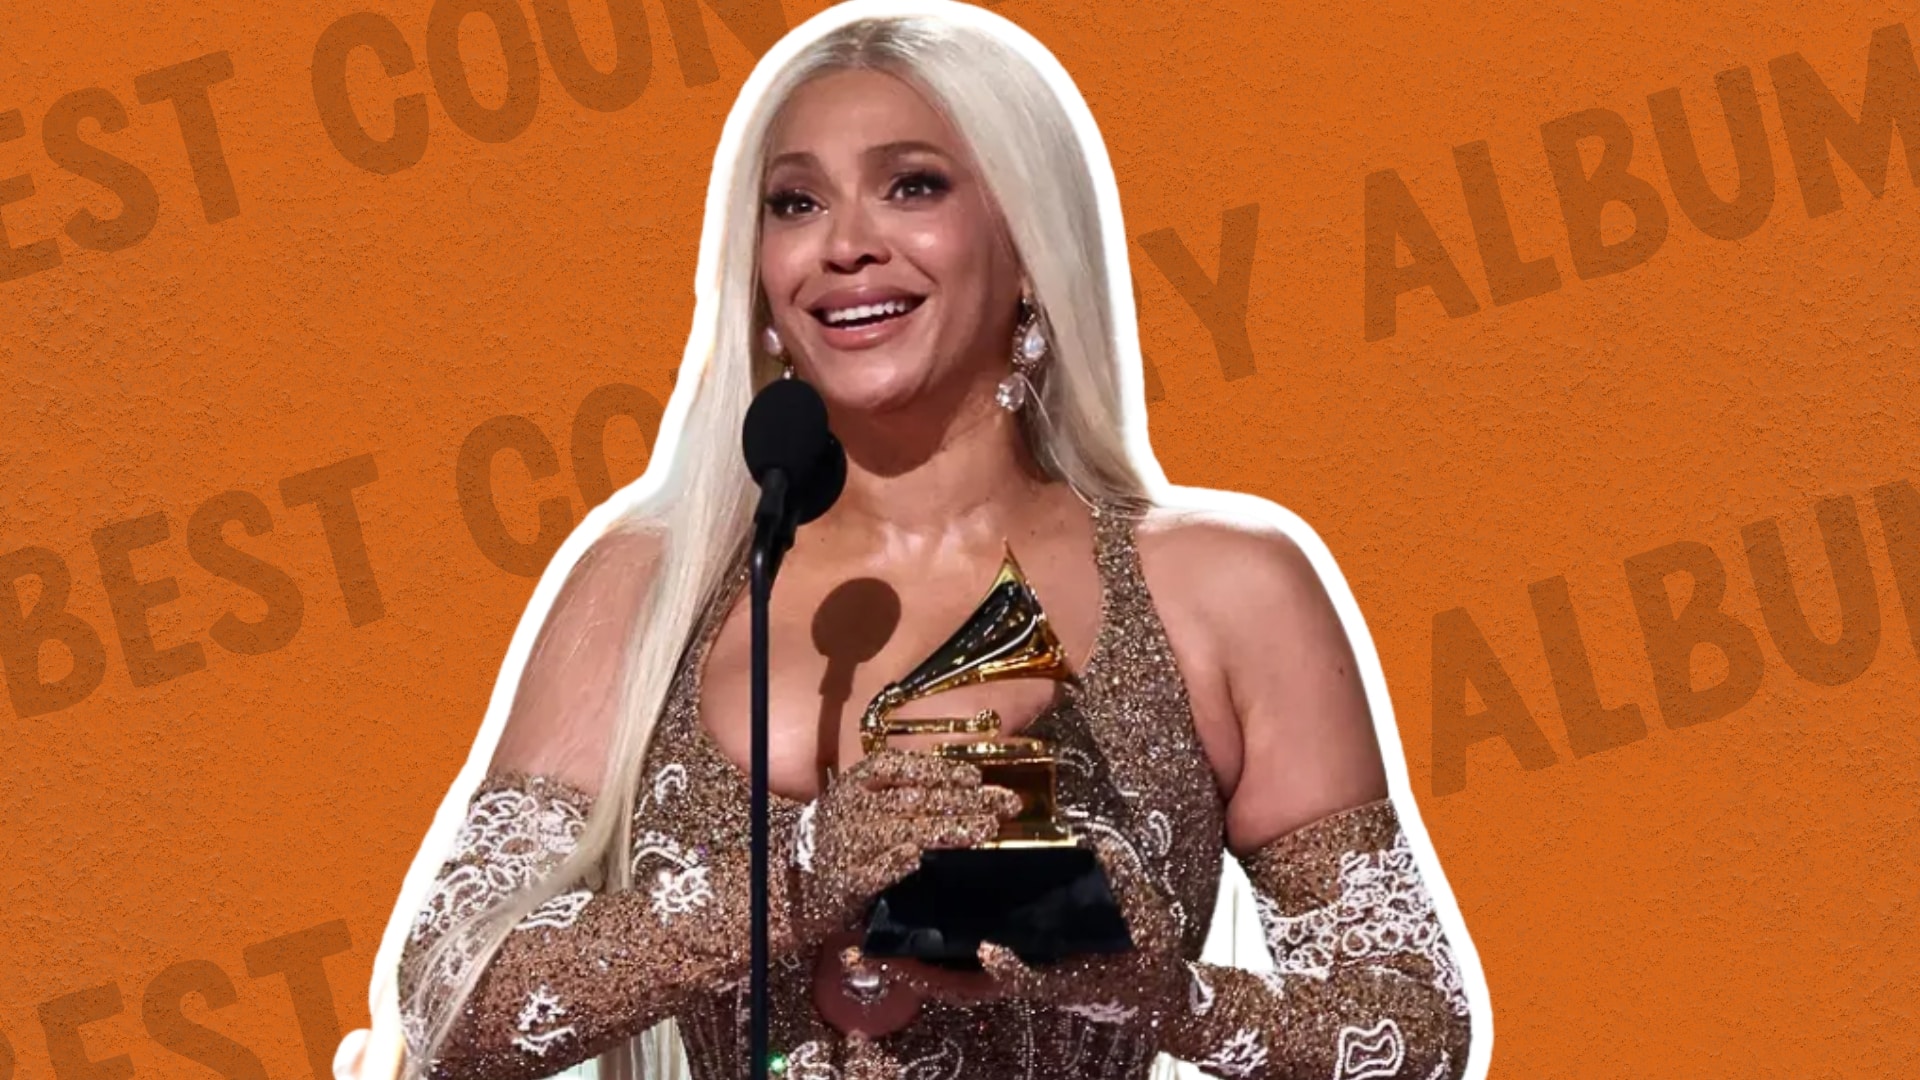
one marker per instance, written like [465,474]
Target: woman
[912,223]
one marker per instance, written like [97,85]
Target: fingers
[1009,971]
[951,987]
[920,978]
[898,854]
[1122,864]
[890,850]
[933,801]
[1005,802]
[878,818]
[1149,923]
[895,843]
[1148,920]
[890,868]
[905,768]
[868,822]
[970,830]
[924,833]
[1106,981]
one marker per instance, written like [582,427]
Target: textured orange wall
[309,336]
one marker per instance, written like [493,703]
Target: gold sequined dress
[1364,988]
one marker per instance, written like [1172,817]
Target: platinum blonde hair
[1021,119]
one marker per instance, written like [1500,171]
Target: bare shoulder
[1230,562]
[565,707]
[627,549]
[607,583]
[1278,698]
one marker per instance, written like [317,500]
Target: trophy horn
[1006,637]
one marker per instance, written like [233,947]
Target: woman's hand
[867,830]
[1148,981]
[865,833]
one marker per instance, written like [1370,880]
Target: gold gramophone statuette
[1006,637]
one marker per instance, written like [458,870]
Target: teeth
[868,311]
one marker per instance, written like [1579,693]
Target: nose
[853,241]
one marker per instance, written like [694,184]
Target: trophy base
[1045,901]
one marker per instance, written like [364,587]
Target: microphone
[801,470]
[793,456]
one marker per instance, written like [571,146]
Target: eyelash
[783,203]
[936,184]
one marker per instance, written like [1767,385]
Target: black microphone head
[821,488]
[786,429]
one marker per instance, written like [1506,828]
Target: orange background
[1724,900]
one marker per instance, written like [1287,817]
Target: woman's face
[885,265]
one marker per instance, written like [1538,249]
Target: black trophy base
[1044,903]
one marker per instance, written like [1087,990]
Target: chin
[870,389]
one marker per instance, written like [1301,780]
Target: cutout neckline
[1096,656]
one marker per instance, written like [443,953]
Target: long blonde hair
[1022,120]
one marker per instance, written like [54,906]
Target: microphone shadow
[851,626]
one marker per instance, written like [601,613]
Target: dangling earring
[770,341]
[1029,348]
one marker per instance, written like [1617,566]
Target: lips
[854,315]
[848,309]
[865,317]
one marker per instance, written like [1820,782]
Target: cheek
[951,249]
[782,265]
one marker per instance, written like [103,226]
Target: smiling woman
[911,211]
[870,252]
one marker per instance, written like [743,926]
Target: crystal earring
[770,341]
[1029,348]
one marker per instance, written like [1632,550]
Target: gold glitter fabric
[1364,985]
[585,970]
[1132,777]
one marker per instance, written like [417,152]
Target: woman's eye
[920,185]
[786,204]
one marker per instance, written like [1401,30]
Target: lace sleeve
[583,971]
[1365,984]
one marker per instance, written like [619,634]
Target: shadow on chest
[880,649]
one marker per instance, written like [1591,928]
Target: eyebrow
[882,152]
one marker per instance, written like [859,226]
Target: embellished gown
[1365,985]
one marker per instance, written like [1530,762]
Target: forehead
[853,110]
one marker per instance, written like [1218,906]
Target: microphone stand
[772,535]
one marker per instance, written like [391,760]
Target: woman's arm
[1365,987]
[1365,983]
[588,968]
